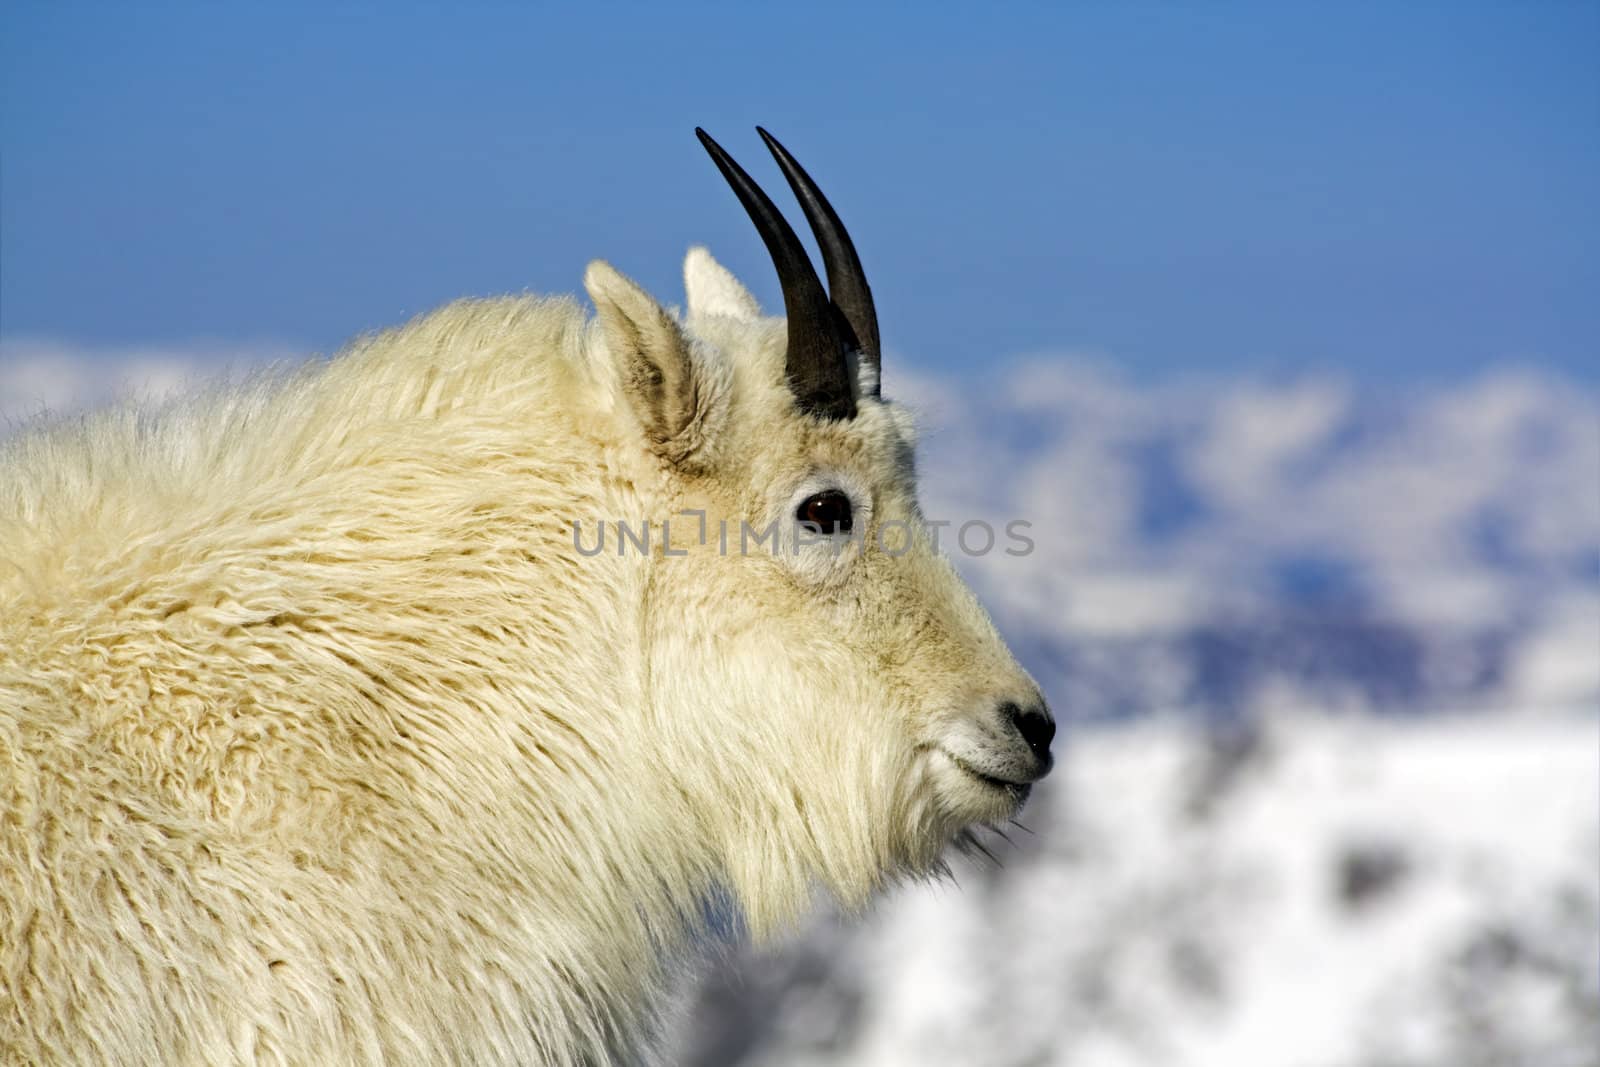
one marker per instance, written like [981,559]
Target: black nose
[1035,725]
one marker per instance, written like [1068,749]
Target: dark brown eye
[828,512]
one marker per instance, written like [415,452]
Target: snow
[39,376]
[1558,662]
[1327,891]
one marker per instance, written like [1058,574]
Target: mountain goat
[325,738]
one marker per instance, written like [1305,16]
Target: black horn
[847,282]
[816,363]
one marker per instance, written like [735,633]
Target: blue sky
[1400,192]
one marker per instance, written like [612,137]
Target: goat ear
[713,290]
[673,393]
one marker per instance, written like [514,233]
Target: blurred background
[1277,322]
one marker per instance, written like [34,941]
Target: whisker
[981,847]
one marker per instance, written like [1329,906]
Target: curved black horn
[816,364]
[847,282]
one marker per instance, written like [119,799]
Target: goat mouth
[1005,785]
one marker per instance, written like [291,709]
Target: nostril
[1037,728]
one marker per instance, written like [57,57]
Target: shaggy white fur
[321,742]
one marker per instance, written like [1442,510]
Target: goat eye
[828,512]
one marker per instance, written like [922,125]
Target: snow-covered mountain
[1207,546]
[1329,659]
[1319,892]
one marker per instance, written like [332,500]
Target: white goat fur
[319,742]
